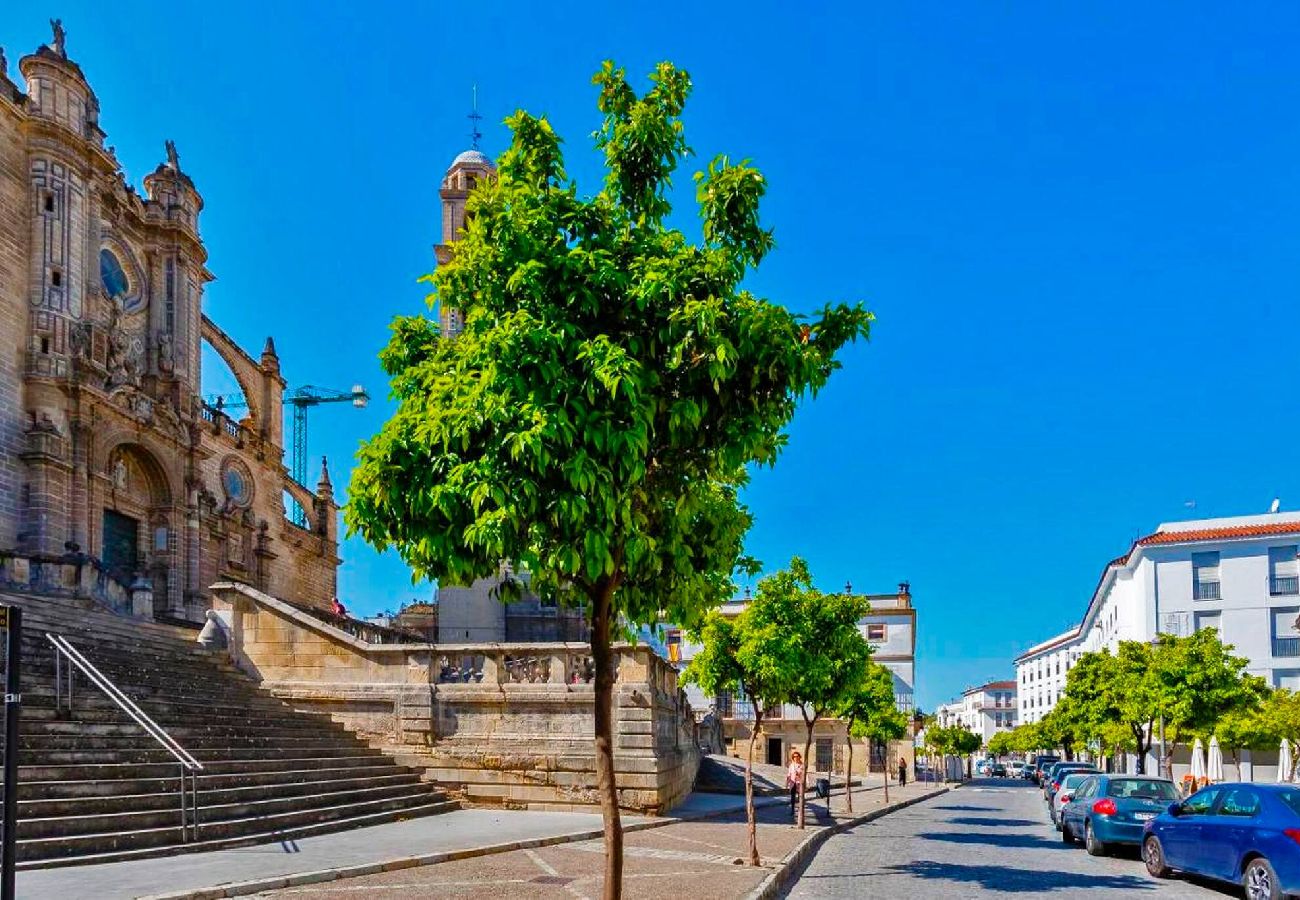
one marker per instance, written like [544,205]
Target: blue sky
[1079,230]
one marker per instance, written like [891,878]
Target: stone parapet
[504,724]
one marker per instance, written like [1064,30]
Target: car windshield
[1141,789]
[1074,780]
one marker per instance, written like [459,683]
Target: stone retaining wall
[504,724]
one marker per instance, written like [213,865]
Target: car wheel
[1260,881]
[1154,856]
[1095,847]
[1067,836]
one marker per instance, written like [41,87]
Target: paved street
[987,839]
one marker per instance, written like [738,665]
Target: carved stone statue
[79,339]
[60,36]
[123,350]
[166,354]
[173,158]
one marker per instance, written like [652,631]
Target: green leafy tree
[870,713]
[1264,726]
[966,743]
[721,666]
[593,421]
[808,645]
[1000,744]
[1202,681]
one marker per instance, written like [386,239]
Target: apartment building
[983,710]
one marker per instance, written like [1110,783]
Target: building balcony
[1284,585]
[1286,646]
[1206,590]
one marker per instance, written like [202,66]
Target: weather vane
[474,118]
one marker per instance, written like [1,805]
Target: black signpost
[11,620]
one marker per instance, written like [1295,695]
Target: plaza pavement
[477,853]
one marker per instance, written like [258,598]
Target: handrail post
[184,830]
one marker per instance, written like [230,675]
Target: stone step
[212,815]
[57,852]
[39,710]
[72,789]
[155,753]
[194,743]
[185,728]
[167,798]
[167,768]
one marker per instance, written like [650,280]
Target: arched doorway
[136,522]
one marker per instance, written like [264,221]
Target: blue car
[1106,810]
[1247,834]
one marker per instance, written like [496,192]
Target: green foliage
[803,643]
[593,421]
[869,709]
[1201,682]
[1000,744]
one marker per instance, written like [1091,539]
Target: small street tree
[809,645]
[593,420]
[870,713]
[718,667]
[1000,744]
[1201,682]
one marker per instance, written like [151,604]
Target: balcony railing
[1284,584]
[1206,590]
[1286,646]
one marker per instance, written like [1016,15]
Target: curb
[794,861]
[320,876]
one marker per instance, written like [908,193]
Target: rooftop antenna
[474,118]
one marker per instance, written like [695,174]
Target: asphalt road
[987,839]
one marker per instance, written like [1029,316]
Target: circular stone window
[237,483]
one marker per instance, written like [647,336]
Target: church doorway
[774,756]
[121,555]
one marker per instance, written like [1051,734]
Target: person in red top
[338,608]
[794,778]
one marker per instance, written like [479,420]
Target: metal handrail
[189,765]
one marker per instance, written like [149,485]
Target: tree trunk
[604,696]
[888,762]
[848,771]
[750,822]
[807,763]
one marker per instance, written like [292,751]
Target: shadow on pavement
[969,808]
[1020,841]
[1009,880]
[996,823]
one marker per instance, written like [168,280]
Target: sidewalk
[467,853]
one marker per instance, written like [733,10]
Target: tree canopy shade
[870,712]
[594,419]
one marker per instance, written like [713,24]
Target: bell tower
[467,170]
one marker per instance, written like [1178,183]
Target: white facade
[1239,575]
[1041,672]
[983,710]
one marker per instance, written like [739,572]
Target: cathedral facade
[116,478]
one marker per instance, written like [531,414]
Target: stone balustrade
[505,724]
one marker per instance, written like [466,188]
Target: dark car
[1031,771]
[1114,809]
[1041,764]
[1052,781]
[997,770]
[1247,834]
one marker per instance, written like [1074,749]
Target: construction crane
[301,399]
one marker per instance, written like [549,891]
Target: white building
[1238,575]
[1041,671]
[983,710]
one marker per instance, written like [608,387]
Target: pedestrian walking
[794,778]
[902,772]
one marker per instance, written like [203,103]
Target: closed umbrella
[1198,762]
[1284,761]
[1214,768]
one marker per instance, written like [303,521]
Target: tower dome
[473,157]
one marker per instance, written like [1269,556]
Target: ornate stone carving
[173,158]
[60,38]
[166,353]
[125,349]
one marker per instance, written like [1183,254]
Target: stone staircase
[94,787]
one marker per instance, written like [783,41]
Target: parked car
[1052,782]
[997,770]
[1247,834]
[1113,809]
[1031,771]
[1016,768]
[1041,763]
[1070,783]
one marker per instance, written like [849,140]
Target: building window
[825,754]
[1283,576]
[1210,620]
[1286,637]
[1205,576]
[875,631]
[48,202]
[56,278]
[169,301]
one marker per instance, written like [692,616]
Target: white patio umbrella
[1214,768]
[1284,761]
[1198,761]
